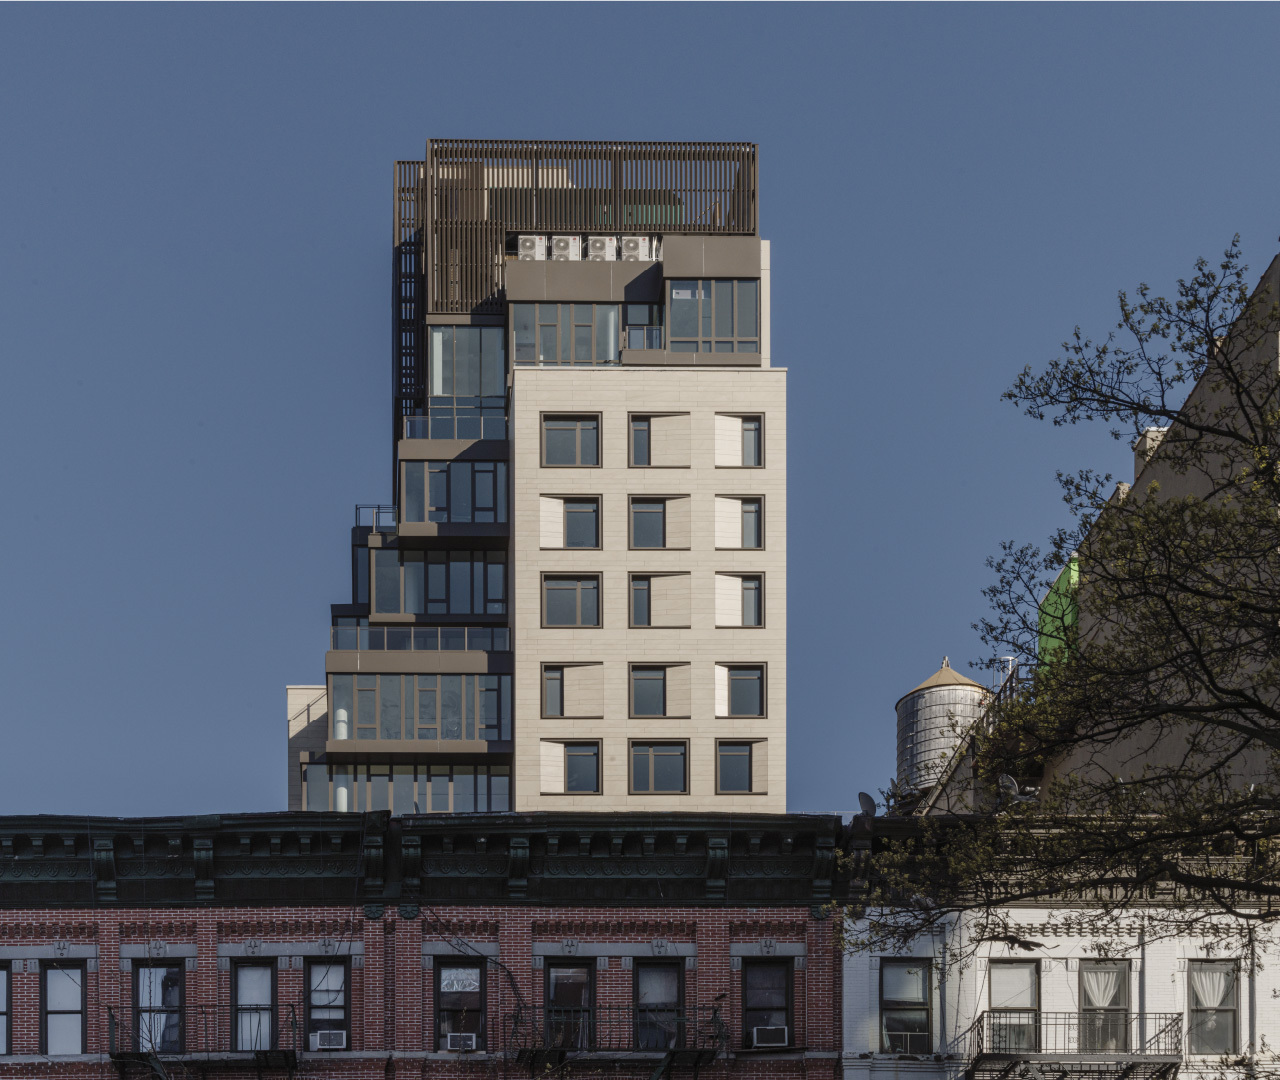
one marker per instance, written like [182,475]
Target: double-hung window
[1104,1005]
[571,601]
[571,441]
[659,989]
[766,1002]
[460,1005]
[6,1010]
[253,1001]
[328,1021]
[157,999]
[1213,997]
[62,1026]
[721,315]
[570,998]
[1014,999]
[904,1007]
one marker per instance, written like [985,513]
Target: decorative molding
[202,850]
[717,871]
[765,927]
[650,928]
[518,866]
[104,869]
[374,912]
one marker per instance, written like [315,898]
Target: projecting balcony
[1012,1044]
[542,1038]
[353,634]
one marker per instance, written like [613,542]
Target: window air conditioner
[769,1036]
[602,248]
[328,1040]
[533,248]
[461,1040]
[566,248]
[637,249]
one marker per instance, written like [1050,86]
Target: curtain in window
[1210,985]
[1101,987]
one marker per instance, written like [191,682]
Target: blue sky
[195,343]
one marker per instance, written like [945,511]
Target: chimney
[1146,445]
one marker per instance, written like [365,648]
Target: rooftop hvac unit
[768,1036]
[328,1040]
[533,248]
[566,248]
[461,1040]
[637,249]
[602,248]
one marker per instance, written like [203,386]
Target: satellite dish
[867,803]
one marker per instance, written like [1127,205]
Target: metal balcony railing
[376,516]
[421,638]
[616,1029]
[459,418]
[1018,1032]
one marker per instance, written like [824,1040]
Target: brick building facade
[621,945]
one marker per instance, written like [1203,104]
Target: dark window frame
[750,744]
[552,673]
[587,963]
[441,963]
[595,745]
[632,420]
[63,965]
[501,509]
[891,1005]
[565,319]
[631,691]
[6,1009]
[651,744]
[139,967]
[633,586]
[579,578]
[597,512]
[631,521]
[579,419]
[748,963]
[237,1008]
[326,961]
[758,502]
[764,691]
[678,1008]
[707,340]
[758,420]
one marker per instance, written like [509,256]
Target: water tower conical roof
[944,676]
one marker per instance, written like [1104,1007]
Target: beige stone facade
[696,630]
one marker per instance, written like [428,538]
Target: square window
[733,768]
[571,601]
[659,768]
[648,523]
[571,441]
[582,768]
[582,523]
[648,691]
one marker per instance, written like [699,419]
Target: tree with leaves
[1136,764]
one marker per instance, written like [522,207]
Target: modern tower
[577,597]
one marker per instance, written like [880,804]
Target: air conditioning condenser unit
[566,249]
[532,248]
[602,249]
[637,249]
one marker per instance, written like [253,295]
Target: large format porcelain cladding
[931,720]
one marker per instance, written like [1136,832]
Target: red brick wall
[391,995]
